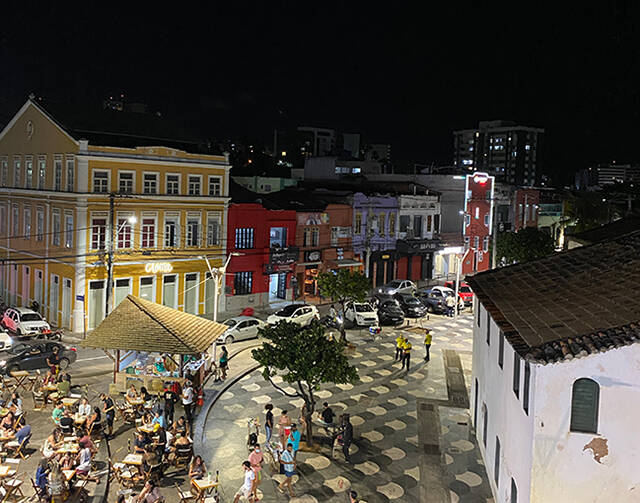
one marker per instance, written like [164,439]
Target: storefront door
[170,291]
[66,303]
[54,290]
[208,294]
[123,288]
[191,293]
[26,285]
[37,289]
[96,303]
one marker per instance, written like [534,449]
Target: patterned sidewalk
[383,412]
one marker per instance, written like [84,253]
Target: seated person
[197,470]
[84,409]
[49,378]
[67,460]
[181,445]
[64,388]
[7,422]
[53,442]
[64,376]
[41,476]
[131,392]
[15,404]
[84,461]
[83,436]
[150,493]
[23,433]
[147,420]
[158,418]
[66,422]
[56,480]
[140,443]
[145,395]
[180,426]
[150,459]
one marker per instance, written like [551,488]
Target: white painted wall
[562,469]
[507,418]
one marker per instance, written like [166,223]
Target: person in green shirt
[224,360]
[57,413]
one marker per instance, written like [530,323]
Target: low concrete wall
[102,457]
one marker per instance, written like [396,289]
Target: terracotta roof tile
[140,325]
[569,304]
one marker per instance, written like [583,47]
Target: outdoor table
[68,474]
[80,419]
[4,411]
[70,439]
[49,387]
[146,429]
[203,487]
[20,376]
[134,401]
[4,470]
[134,460]
[69,402]
[68,447]
[5,438]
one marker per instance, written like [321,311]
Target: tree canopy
[304,358]
[528,243]
[345,286]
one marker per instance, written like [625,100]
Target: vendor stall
[151,344]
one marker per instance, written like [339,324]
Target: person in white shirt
[16,404]
[84,409]
[248,490]
[187,402]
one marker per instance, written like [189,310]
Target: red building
[265,240]
[525,208]
[478,222]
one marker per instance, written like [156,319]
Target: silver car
[240,328]
[397,286]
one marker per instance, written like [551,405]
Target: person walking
[268,422]
[294,439]
[284,425]
[170,399]
[287,459]
[347,437]
[224,362]
[399,343]
[450,302]
[427,344]
[109,409]
[406,354]
[187,403]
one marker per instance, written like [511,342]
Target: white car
[302,314]
[397,286]
[5,340]
[24,321]
[240,328]
[361,314]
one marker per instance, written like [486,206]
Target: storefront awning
[310,263]
[348,262]
[139,325]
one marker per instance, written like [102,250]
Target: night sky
[400,74]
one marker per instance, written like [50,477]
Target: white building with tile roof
[556,375]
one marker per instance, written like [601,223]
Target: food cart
[151,344]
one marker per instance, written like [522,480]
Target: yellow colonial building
[65,189]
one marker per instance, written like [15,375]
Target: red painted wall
[402,268]
[477,226]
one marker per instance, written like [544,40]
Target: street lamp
[217,276]
[109,293]
[458,251]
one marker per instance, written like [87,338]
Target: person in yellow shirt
[399,343]
[427,344]
[406,354]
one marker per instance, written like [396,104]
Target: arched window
[584,406]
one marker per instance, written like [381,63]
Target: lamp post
[109,293]
[217,276]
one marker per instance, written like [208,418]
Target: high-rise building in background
[504,149]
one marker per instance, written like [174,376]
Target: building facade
[555,382]
[526,208]
[66,203]
[262,267]
[510,152]
[478,222]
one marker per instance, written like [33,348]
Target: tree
[305,358]
[528,243]
[344,286]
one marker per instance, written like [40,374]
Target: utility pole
[110,238]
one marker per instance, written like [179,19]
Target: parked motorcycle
[334,322]
[51,335]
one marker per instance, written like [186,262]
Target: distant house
[556,375]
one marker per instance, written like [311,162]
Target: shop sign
[274,268]
[283,256]
[156,267]
[416,246]
[313,256]
[313,218]
[385,257]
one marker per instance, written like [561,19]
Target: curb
[198,429]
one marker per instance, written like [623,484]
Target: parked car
[390,312]
[302,314]
[433,300]
[464,290]
[446,292]
[360,314]
[5,340]
[240,328]
[410,305]
[24,321]
[31,355]
[397,286]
